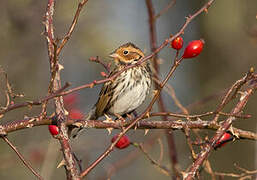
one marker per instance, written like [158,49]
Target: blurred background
[229,30]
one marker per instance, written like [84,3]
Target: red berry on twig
[177,43]
[53,129]
[122,143]
[193,49]
[223,140]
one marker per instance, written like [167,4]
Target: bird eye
[125,52]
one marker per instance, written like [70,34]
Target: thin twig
[165,9]
[161,105]
[35,102]
[72,27]
[130,157]
[223,128]
[26,163]
[98,60]
[164,44]
[162,168]
[228,96]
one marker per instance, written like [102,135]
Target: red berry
[223,140]
[122,143]
[75,114]
[53,129]
[177,43]
[193,49]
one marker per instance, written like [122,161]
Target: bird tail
[90,116]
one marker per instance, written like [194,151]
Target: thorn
[91,85]
[135,128]
[129,116]
[251,70]
[108,119]
[60,67]
[233,133]
[148,114]
[29,126]
[66,113]
[243,94]
[206,10]
[146,131]
[62,163]
[77,124]
[109,130]
[155,92]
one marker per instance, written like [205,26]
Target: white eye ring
[125,52]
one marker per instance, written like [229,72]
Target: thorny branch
[55,84]
[164,44]
[143,124]
[55,91]
[224,126]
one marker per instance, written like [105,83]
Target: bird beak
[113,55]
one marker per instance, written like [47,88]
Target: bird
[126,92]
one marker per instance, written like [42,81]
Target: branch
[223,128]
[164,44]
[143,124]
[96,59]
[55,84]
[35,102]
[72,27]
[165,9]
[163,169]
[161,105]
[26,163]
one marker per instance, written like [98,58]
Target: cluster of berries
[193,49]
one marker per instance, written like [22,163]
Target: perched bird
[129,89]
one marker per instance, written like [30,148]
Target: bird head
[127,54]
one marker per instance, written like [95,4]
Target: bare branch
[72,27]
[55,84]
[161,105]
[35,102]
[26,163]
[165,9]
[223,128]
[162,169]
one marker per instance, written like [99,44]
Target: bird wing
[104,99]
[105,96]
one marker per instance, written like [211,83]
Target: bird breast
[131,89]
